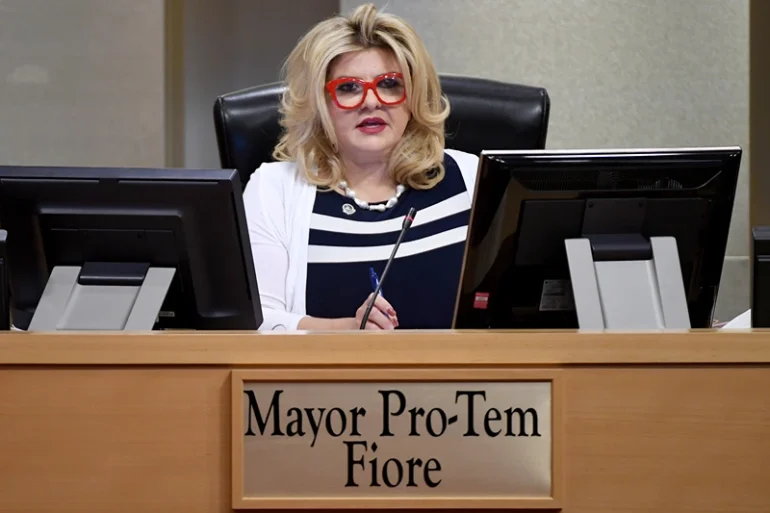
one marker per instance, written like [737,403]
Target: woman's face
[371,130]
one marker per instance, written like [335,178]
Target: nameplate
[430,439]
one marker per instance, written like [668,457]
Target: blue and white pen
[376,283]
[375,280]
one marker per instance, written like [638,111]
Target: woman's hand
[382,316]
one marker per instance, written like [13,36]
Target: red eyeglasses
[349,92]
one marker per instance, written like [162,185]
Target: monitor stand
[627,282]
[102,297]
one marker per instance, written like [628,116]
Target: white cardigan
[279,202]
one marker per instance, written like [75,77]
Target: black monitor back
[760,277]
[526,203]
[192,220]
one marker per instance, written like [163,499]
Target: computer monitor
[127,249]
[5,307]
[597,239]
[760,277]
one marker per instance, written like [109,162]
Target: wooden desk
[128,423]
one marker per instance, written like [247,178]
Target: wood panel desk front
[129,423]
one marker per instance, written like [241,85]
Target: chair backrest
[485,115]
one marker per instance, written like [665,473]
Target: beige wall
[234,44]
[620,73]
[760,112]
[81,82]
[133,82]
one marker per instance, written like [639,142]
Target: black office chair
[485,115]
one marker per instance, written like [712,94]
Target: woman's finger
[380,319]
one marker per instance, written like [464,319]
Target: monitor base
[69,305]
[628,294]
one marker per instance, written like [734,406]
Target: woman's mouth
[372,125]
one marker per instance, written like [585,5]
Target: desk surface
[119,423]
[395,348]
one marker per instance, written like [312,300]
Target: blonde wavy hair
[308,136]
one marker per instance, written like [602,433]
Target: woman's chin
[372,144]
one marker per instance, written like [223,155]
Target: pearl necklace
[381,207]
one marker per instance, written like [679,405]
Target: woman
[363,142]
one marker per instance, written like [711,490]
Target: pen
[375,280]
[376,283]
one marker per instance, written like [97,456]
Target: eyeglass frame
[331,87]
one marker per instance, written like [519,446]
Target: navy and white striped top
[422,281]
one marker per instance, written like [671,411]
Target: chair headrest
[485,115]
